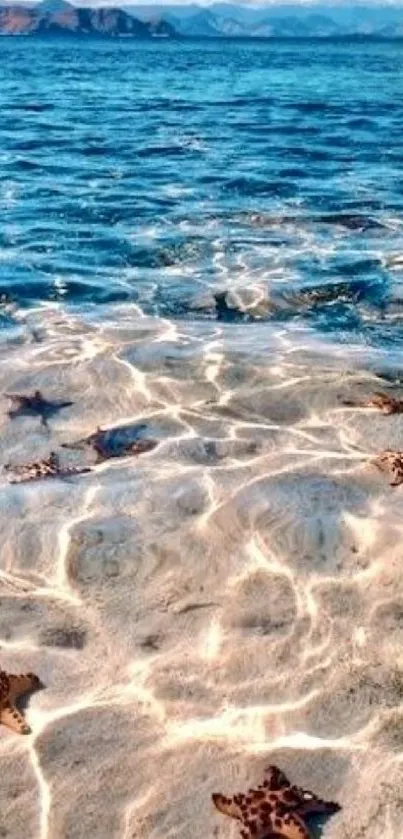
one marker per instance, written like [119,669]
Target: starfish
[275,809]
[387,404]
[34,405]
[120,441]
[11,687]
[48,468]
[392,463]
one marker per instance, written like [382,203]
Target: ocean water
[229,167]
[201,246]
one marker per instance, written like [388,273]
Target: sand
[230,599]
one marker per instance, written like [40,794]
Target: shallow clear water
[161,173]
[201,252]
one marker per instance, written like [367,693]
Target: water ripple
[297,185]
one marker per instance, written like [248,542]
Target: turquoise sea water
[201,252]
[170,173]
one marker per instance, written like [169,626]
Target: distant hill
[288,20]
[285,20]
[57,17]
[203,24]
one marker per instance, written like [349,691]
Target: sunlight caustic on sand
[210,253]
[44,794]
[64,539]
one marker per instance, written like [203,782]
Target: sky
[257,4]
[252,3]
[270,3]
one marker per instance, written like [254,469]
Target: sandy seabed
[230,599]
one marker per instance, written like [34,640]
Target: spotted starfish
[275,809]
[11,687]
[387,404]
[48,468]
[120,441]
[35,405]
[392,463]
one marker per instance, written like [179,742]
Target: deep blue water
[173,174]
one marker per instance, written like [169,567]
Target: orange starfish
[275,809]
[386,403]
[391,462]
[11,687]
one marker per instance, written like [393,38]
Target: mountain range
[59,17]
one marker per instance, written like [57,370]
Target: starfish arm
[387,404]
[22,684]
[274,779]
[293,827]
[142,446]
[14,397]
[4,686]
[311,805]
[228,806]
[73,444]
[11,718]
[100,457]
[288,826]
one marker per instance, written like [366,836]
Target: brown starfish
[275,809]
[392,463]
[387,404]
[11,687]
[120,441]
[34,405]
[48,468]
